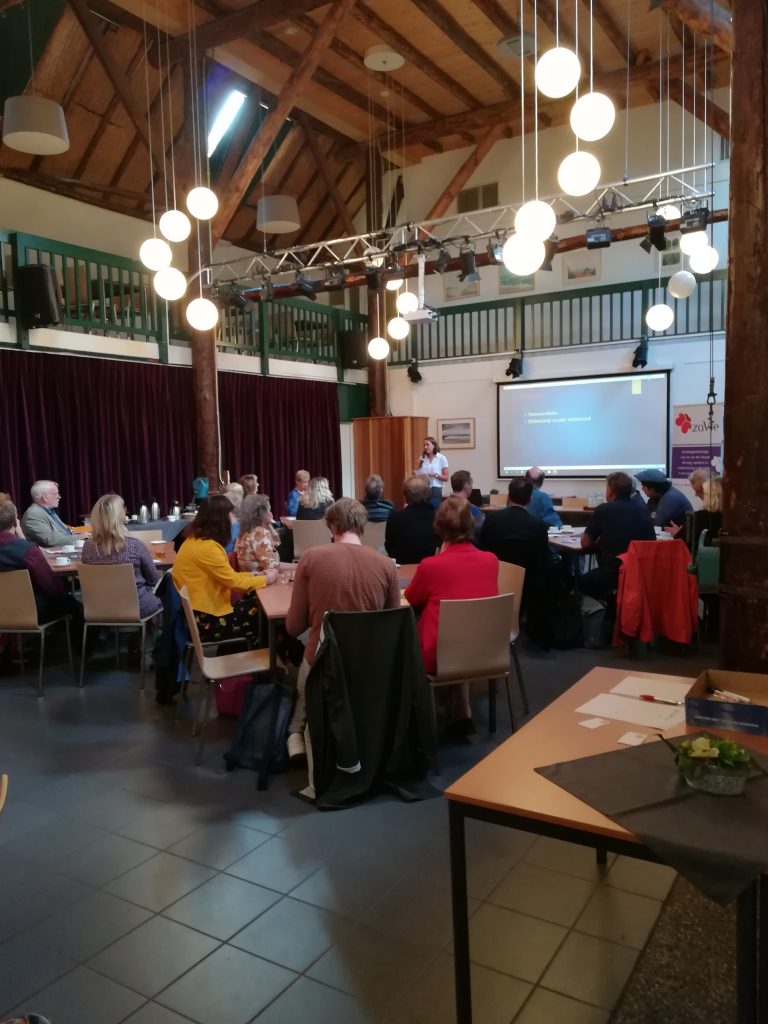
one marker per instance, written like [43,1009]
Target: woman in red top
[459,571]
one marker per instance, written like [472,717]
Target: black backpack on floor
[262,727]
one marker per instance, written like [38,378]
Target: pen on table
[659,700]
[730,695]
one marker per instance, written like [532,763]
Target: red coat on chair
[657,595]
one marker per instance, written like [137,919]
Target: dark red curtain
[99,425]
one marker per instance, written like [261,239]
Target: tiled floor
[137,888]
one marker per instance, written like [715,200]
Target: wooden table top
[163,555]
[506,781]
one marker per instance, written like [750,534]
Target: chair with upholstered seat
[512,581]
[373,536]
[473,645]
[110,598]
[18,615]
[309,533]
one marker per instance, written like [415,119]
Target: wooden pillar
[744,586]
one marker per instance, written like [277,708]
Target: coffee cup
[134,519]
[68,547]
[79,543]
[62,560]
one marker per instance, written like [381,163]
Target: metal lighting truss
[383,248]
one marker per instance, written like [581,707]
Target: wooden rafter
[322,162]
[240,24]
[113,71]
[703,18]
[613,31]
[465,172]
[291,93]
[420,61]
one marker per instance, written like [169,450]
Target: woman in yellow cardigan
[203,568]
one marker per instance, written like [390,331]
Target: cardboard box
[704,710]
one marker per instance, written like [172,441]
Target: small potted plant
[714,765]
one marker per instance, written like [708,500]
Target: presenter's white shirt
[436,464]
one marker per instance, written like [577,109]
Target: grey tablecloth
[718,843]
[170,529]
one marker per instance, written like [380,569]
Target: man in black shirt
[410,532]
[610,530]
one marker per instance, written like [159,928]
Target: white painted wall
[459,388]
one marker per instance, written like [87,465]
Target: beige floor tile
[567,858]
[545,1007]
[512,943]
[539,892]
[591,970]
[619,916]
[641,877]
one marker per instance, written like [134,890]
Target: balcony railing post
[264,319]
[18,259]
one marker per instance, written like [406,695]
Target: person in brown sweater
[342,577]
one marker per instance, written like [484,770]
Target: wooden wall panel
[390,446]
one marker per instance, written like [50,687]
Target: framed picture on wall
[456,433]
[583,266]
[509,283]
[455,289]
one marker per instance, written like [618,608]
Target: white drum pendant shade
[277,215]
[34,124]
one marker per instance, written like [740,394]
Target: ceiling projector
[424,314]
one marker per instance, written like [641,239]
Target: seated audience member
[458,571]
[235,494]
[712,494]
[609,532]
[637,497]
[257,544]
[315,500]
[697,479]
[199,489]
[461,486]
[344,576]
[250,484]
[410,533]
[301,482]
[377,508]
[709,517]
[541,504]
[16,552]
[203,568]
[666,503]
[40,522]
[5,499]
[111,544]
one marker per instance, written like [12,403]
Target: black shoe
[460,728]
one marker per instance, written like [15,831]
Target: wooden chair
[309,533]
[373,537]
[512,581]
[110,598]
[3,790]
[18,614]
[473,645]
[213,671]
[572,502]
[498,500]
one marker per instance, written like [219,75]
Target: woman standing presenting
[433,465]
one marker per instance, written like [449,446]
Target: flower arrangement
[714,765]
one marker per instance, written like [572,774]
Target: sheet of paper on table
[666,689]
[634,711]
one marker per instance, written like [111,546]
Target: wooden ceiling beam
[240,24]
[703,18]
[113,71]
[292,92]
[318,212]
[420,61]
[498,16]
[610,28]
[453,29]
[322,162]
[465,172]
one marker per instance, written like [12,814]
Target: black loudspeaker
[354,349]
[38,296]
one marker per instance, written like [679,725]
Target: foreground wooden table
[162,554]
[505,789]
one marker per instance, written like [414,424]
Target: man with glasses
[40,523]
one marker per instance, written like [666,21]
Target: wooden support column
[705,18]
[744,576]
[465,172]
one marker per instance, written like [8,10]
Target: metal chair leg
[69,648]
[40,667]
[82,654]
[117,648]
[204,722]
[141,655]
[520,683]
[491,705]
[509,702]
[22,662]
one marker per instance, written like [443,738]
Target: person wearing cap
[666,503]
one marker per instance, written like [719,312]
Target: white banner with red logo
[694,445]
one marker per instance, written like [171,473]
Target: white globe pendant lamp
[170,283]
[669,211]
[693,240]
[155,253]
[407,302]
[535,220]
[522,256]
[592,116]
[557,72]
[202,203]
[681,284]
[704,260]
[398,328]
[202,314]
[175,225]
[660,317]
[579,173]
[378,348]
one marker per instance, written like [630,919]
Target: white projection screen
[584,426]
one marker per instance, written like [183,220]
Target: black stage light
[694,220]
[305,287]
[242,302]
[373,278]
[599,238]
[656,226]
[267,288]
[413,372]
[469,270]
[336,278]
[515,368]
[495,248]
[550,248]
[640,355]
[443,259]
